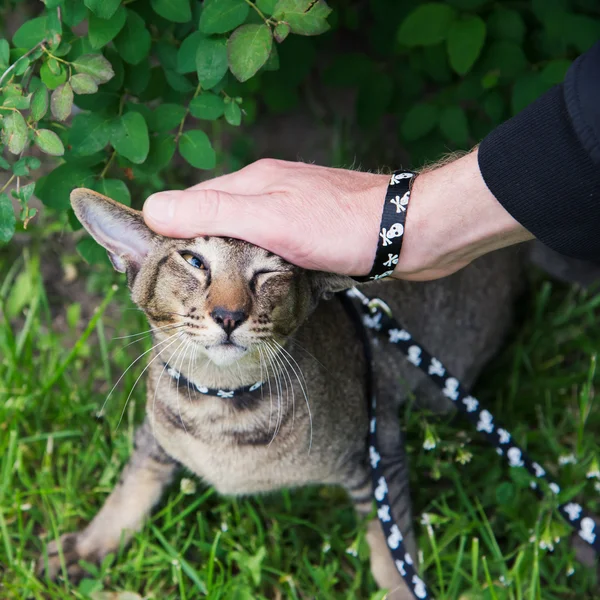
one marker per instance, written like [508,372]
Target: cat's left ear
[324,285]
[120,229]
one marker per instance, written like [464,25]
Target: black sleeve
[543,165]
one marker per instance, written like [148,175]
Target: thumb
[191,213]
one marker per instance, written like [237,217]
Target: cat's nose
[228,319]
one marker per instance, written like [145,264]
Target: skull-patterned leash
[378,317]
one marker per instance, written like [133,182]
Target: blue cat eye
[193,260]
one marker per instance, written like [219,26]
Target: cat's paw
[49,564]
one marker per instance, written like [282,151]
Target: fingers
[192,213]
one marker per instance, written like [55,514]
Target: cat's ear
[324,285]
[120,229]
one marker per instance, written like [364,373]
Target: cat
[227,315]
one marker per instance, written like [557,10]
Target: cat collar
[201,389]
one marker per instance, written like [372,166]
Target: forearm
[452,219]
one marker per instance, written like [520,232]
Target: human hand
[315,217]
[328,219]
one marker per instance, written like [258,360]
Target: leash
[377,316]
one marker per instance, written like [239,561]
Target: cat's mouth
[225,353]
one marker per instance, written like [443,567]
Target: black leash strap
[378,317]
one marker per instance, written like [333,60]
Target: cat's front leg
[142,482]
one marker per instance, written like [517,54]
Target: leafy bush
[137,77]
[116,88]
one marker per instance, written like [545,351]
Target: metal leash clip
[375,304]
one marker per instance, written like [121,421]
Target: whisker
[144,337]
[131,365]
[123,337]
[279,393]
[303,387]
[153,420]
[286,373]
[183,351]
[139,377]
[268,380]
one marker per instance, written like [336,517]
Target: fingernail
[160,207]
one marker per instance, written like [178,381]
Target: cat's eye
[260,276]
[194,260]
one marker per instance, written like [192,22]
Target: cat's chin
[224,355]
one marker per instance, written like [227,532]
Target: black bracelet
[391,230]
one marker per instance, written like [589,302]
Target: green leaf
[20,102]
[186,55]
[52,80]
[507,57]
[221,16]
[465,41]
[207,106]
[196,148]
[211,62]
[47,141]
[454,125]
[39,103]
[74,12]
[82,83]
[7,219]
[581,31]
[248,49]
[506,24]
[115,189]
[129,137]
[54,189]
[89,134]
[419,121]
[14,132]
[266,6]
[92,252]
[281,31]
[138,77]
[162,148]
[4,54]
[61,102]
[166,117]
[20,168]
[555,71]
[427,25]
[178,11]
[32,32]
[493,105]
[505,493]
[133,42]
[104,9]
[102,31]
[305,17]
[178,82]
[233,113]
[527,89]
[94,65]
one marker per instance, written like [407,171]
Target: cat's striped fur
[310,423]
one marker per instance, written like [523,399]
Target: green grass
[58,461]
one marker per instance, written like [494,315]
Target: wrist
[453,219]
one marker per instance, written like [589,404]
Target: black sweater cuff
[538,169]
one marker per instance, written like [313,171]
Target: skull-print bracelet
[391,230]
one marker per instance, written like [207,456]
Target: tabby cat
[227,315]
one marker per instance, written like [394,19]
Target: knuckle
[268,164]
[209,205]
